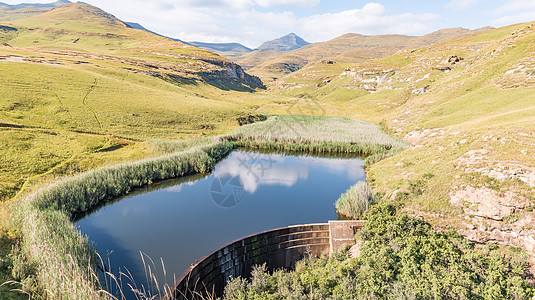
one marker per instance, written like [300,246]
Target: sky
[251,22]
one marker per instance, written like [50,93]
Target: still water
[179,221]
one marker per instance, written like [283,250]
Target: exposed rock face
[500,217]
[518,234]
[233,73]
[487,203]
[454,59]
[420,91]
[476,161]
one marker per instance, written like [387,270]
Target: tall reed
[318,134]
[355,201]
[64,259]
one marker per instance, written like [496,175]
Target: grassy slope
[76,105]
[9,13]
[485,102]
[348,48]
[80,90]
[60,254]
[473,106]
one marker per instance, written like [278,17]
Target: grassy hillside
[348,48]
[80,88]
[468,106]
[12,13]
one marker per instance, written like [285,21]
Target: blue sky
[252,22]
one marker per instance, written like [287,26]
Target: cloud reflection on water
[260,169]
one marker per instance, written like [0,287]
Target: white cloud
[253,171]
[371,19]
[253,22]
[272,3]
[462,4]
[514,11]
[515,5]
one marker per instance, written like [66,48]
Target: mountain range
[81,89]
[21,5]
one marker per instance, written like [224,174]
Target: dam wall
[277,248]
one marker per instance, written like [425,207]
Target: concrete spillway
[277,248]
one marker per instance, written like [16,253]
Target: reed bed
[355,201]
[322,134]
[334,133]
[65,263]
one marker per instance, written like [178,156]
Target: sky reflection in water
[182,220]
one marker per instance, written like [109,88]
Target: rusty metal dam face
[180,221]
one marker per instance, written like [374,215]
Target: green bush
[401,258]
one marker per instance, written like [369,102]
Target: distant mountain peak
[222,47]
[140,27]
[288,42]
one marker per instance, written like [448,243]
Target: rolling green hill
[468,106]
[348,48]
[78,83]
[80,89]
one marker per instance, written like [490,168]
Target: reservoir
[178,221]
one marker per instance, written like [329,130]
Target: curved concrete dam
[175,222]
[277,248]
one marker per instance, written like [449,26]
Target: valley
[447,120]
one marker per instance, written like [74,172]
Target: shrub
[401,258]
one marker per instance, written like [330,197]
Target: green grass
[63,259]
[463,108]
[62,114]
[67,124]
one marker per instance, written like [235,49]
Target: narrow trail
[84,101]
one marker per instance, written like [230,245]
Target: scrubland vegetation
[401,257]
[153,106]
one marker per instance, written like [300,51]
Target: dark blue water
[181,220]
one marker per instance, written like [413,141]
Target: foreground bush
[401,258]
